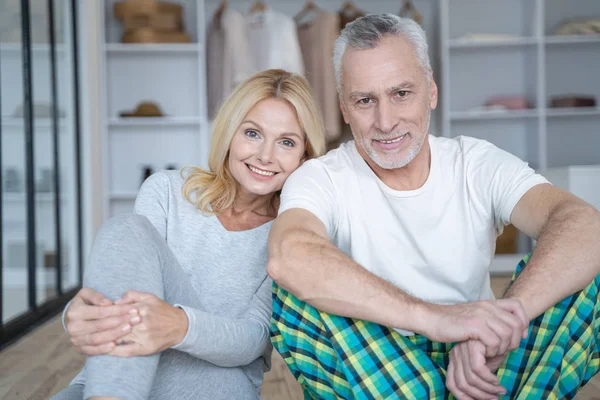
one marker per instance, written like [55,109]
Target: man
[382,248]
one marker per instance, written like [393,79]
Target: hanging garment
[317,39]
[349,13]
[227,56]
[273,42]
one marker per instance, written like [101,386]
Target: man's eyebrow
[355,95]
[390,91]
[399,87]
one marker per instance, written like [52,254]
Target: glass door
[40,205]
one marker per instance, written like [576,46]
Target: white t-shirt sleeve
[500,178]
[310,188]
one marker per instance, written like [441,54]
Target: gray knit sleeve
[230,342]
[152,201]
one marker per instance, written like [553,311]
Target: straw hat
[144,109]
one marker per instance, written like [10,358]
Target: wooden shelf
[489,115]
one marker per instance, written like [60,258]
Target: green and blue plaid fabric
[334,357]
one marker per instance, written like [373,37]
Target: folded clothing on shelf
[509,102]
[590,26]
[573,101]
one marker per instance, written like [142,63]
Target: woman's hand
[94,323]
[162,326]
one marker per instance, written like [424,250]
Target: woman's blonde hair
[214,190]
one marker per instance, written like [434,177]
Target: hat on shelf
[144,109]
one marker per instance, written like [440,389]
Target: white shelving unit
[525,59]
[170,75]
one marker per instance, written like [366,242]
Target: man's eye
[365,101]
[402,93]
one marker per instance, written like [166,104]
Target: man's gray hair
[367,31]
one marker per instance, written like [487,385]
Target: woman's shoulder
[163,180]
[173,178]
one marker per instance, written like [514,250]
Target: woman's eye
[251,134]
[288,143]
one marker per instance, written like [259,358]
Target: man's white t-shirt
[436,242]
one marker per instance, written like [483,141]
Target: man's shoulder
[460,143]
[461,147]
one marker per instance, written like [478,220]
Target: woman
[189,266]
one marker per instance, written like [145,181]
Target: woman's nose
[265,153]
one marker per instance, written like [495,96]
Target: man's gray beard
[380,159]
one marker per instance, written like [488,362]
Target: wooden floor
[43,362]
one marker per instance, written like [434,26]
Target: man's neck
[410,177]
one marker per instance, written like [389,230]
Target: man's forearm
[316,272]
[566,259]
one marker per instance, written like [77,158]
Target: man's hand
[94,323]
[162,326]
[499,325]
[471,375]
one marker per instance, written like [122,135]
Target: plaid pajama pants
[335,357]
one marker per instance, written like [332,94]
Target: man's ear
[433,93]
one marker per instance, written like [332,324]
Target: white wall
[91,41]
